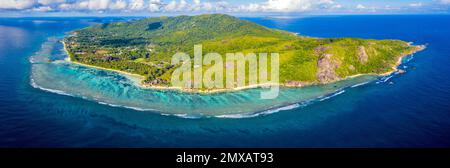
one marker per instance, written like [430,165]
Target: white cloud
[118,5]
[162,6]
[88,5]
[288,5]
[337,6]
[17,4]
[202,6]
[175,6]
[196,5]
[42,9]
[50,2]
[416,4]
[155,5]
[97,4]
[136,5]
[359,6]
[171,6]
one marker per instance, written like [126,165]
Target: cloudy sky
[149,7]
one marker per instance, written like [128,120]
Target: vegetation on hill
[145,47]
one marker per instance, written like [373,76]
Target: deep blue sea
[404,110]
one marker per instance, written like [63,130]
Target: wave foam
[267,112]
[385,79]
[359,84]
[333,95]
[188,116]
[128,107]
[411,57]
[33,83]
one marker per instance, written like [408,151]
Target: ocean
[58,104]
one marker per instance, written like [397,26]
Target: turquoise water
[74,106]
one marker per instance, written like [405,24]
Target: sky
[257,7]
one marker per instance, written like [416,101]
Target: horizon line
[232,14]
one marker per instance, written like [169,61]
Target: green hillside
[145,47]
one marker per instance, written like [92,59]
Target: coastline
[97,67]
[141,78]
[395,67]
[399,61]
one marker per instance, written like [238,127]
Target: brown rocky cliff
[326,66]
[362,55]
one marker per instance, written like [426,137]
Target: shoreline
[400,59]
[395,67]
[97,67]
[141,78]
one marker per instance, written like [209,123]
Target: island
[144,48]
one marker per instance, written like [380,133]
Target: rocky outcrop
[326,69]
[362,55]
[326,66]
[155,82]
[321,50]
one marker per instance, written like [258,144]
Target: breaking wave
[359,84]
[267,112]
[32,83]
[333,95]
